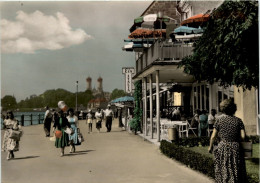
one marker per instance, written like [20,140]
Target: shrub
[188,157]
[194,160]
[193,141]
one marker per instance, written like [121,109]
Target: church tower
[89,83]
[100,87]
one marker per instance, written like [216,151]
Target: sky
[51,45]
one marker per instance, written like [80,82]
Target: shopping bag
[69,131]
[58,134]
[14,134]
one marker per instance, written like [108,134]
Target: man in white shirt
[109,117]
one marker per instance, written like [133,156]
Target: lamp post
[77,95]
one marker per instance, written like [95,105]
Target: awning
[148,40]
[123,99]
[187,30]
[199,18]
[147,33]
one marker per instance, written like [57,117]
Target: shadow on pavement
[84,151]
[78,153]
[26,157]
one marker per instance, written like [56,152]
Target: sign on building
[129,72]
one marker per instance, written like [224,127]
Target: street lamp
[77,95]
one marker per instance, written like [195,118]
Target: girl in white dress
[10,145]
[89,121]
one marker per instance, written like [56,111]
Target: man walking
[47,121]
[109,117]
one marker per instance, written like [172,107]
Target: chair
[163,128]
[192,129]
[183,128]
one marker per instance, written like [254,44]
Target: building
[165,86]
[101,97]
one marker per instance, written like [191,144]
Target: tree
[136,122]
[228,49]
[8,102]
[116,93]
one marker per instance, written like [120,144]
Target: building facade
[166,86]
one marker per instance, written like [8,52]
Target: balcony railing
[161,51]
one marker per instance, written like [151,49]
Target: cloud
[36,31]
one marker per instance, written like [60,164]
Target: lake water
[27,117]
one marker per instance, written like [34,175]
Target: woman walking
[60,125]
[89,121]
[98,116]
[73,138]
[229,156]
[10,144]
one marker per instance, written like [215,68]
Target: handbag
[58,134]
[247,149]
[14,134]
[80,136]
[69,131]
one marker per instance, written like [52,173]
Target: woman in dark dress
[229,156]
[61,123]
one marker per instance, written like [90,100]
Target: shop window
[177,98]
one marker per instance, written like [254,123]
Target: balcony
[164,53]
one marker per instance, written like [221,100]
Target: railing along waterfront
[36,118]
[163,51]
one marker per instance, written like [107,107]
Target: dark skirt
[63,141]
[230,163]
[99,124]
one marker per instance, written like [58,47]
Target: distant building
[101,97]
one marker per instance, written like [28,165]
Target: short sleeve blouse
[229,127]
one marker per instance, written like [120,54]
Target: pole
[157,106]
[22,120]
[31,119]
[39,119]
[77,95]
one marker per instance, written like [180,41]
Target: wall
[247,108]
[203,6]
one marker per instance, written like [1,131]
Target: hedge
[194,160]
[204,141]
[188,157]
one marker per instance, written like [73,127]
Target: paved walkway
[115,157]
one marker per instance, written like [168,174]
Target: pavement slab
[106,157]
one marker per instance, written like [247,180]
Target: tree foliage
[48,98]
[228,49]
[135,123]
[8,102]
[116,93]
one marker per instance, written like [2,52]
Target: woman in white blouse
[98,116]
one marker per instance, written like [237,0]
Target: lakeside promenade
[114,157]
